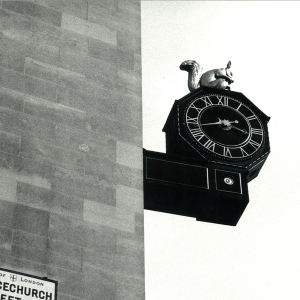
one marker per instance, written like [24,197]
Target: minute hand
[242,130]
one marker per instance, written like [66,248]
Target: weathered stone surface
[130,288]
[71,283]
[32,9]
[24,266]
[89,187]
[11,99]
[129,155]
[128,176]
[114,129]
[64,255]
[70,145]
[123,58]
[45,153]
[26,168]
[130,244]
[8,187]
[68,297]
[5,240]
[129,40]
[11,57]
[129,198]
[26,240]
[6,213]
[89,29]
[31,220]
[73,7]
[57,113]
[30,254]
[117,18]
[130,81]
[100,238]
[99,282]
[28,85]
[9,142]
[15,26]
[106,215]
[101,169]
[49,200]
[66,229]
[100,73]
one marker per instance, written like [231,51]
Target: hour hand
[224,122]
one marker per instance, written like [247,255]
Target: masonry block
[64,255]
[129,198]
[72,283]
[99,282]
[89,29]
[11,99]
[66,229]
[25,239]
[28,85]
[5,240]
[8,187]
[76,8]
[133,160]
[31,220]
[32,9]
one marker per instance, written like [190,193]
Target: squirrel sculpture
[216,78]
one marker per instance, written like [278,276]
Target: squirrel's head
[188,65]
[228,71]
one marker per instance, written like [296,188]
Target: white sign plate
[19,286]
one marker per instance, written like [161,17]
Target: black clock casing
[219,126]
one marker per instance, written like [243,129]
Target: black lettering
[3,297]
[41,294]
[34,293]
[20,290]
[12,288]
[27,293]
[5,286]
[17,298]
[0,285]
[48,296]
[11,298]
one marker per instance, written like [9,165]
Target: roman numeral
[256,131]
[224,102]
[226,152]
[190,120]
[244,153]
[210,145]
[254,144]
[194,107]
[251,118]
[207,101]
[239,106]
[197,133]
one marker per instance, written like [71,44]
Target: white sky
[259,258]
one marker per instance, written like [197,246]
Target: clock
[220,126]
[224,127]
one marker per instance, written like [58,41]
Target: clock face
[224,127]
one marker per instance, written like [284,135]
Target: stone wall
[71,203]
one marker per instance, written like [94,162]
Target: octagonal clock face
[224,127]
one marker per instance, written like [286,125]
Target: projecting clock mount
[216,142]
